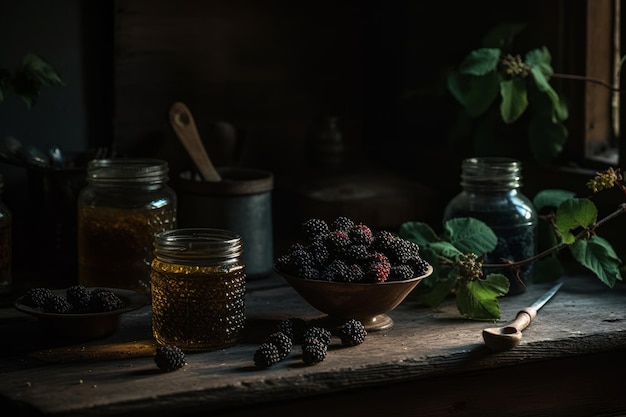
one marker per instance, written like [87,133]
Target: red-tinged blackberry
[342,223]
[266,355]
[317,333]
[36,297]
[169,358]
[377,267]
[282,341]
[336,271]
[104,300]
[401,272]
[361,234]
[293,327]
[352,333]
[314,352]
[56,304]
[78,296]
[382,240]
[314,229]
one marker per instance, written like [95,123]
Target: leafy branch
[31,76]
[457,254]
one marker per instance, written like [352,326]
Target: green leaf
[598,255]
[547,269]
[445,249]
[558,107]
[551,198]
[478,299]
[546,138]
[540,59]
[573,214]
[418,232]
[475,94]
[480,61]
[440,291]
[470,235]
[33,74]
[514,99]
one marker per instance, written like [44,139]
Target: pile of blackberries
[77,300]
[346,251]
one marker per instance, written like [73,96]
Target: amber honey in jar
[198,288]
[125,204]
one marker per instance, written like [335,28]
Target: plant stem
[588,79]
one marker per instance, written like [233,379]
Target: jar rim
[198,243]
[116,170]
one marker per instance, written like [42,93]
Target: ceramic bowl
[84,326]
[367,302]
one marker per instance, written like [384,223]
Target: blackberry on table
[314,352]
[282,341]
[169,358]
[266,355]
[36,297]
[352,333]
[317,333]
[79,297]
[56,304]
[104,300]
[293,327]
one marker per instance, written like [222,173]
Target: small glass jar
[198,288]
[125,204]
[490,193]
[6,250]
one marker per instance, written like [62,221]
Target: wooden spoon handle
[183,124]
[507,337]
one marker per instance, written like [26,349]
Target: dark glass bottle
[491,193]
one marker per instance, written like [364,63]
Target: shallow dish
[84,326]
[366,302]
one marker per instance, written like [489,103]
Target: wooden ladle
[184,126]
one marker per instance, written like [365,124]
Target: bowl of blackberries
[347,271]
[79,313]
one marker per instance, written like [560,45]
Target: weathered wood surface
[427,349]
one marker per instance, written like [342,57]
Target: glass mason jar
[125,204]
[490,193]
[6,280]
[198,288]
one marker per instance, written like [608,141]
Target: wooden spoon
[183,124]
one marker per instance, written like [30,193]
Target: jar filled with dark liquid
[5,245]
[198,288]
[125,204]
[491,193]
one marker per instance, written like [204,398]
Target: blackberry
[314,229]
[377,268]
[301,260]
[352,333]
[314,352]
[36,297]
[56,304]
[293,327]
[169,358]
[361,234]
[266,355]
[355,253]
[419,265]
[355,274]
[336,271]
[317,333]
[319,253]
[401,272]
[382,241]
[78,296]
[401,251]
[342,223]
[282,341]
[336,242]
[104,300]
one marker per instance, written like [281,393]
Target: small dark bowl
[85,326]
[366,302]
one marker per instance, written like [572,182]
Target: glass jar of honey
[198,288]
[125,204]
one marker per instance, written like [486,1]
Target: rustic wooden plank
[117,375]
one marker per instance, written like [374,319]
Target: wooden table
[571,362]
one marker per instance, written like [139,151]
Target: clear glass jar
[198,288]
[490,193]
[125,204]
[6,247]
